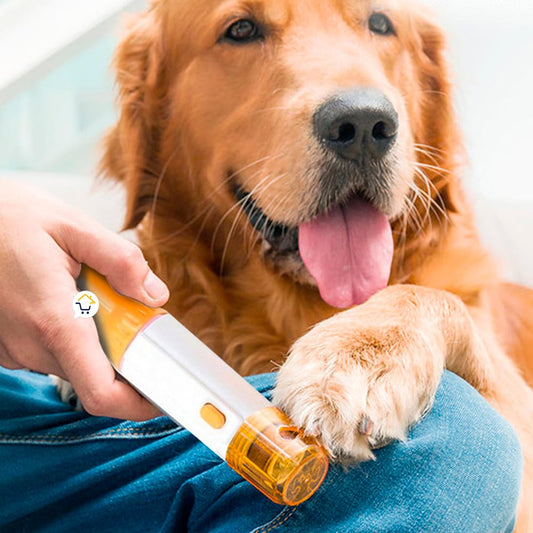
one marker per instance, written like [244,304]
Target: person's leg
[65,471]
[459,471]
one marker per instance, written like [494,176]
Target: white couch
[506,227]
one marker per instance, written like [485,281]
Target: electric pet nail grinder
[176,372]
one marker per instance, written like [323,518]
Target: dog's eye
[381,24]
[243,31]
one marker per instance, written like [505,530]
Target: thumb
[119,260]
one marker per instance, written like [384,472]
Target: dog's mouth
[346,251]
[281,239]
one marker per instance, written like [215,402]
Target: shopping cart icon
[85,305]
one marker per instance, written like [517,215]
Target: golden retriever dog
[293,170]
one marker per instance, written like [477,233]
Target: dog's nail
[365,426]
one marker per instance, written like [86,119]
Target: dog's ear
[436,132]
[131,147]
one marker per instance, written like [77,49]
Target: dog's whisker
[157,191]
[240,213]
[257,235]
[282,89]
[420,169]
[423,218]
[239,205]
[198,234]
[431,91]
[257,189]
[426,196]
[273,108]
[261,160]
[434,157]
[273,201]
[206,205]
[436,201]
[433,204]
[429,148]
[401,240]
[415,219]
[432,167]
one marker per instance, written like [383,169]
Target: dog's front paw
[357,385]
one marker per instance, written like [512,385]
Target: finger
[119,260]
[74,342]
[98,389]
[27,352]
[7,362]
[5,358]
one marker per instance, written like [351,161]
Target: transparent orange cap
[273,455]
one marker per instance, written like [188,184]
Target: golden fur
[198,113]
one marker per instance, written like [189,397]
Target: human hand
[42,245]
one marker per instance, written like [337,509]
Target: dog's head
[309,128]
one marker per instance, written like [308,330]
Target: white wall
[492,55]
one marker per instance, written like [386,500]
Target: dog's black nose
[357,121]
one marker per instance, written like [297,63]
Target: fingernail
[155,288]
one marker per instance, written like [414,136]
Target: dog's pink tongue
[348,252]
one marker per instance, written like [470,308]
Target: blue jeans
[65,471]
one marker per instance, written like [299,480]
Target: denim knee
[484,460]
[460,470]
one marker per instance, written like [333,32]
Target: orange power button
[215,418]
